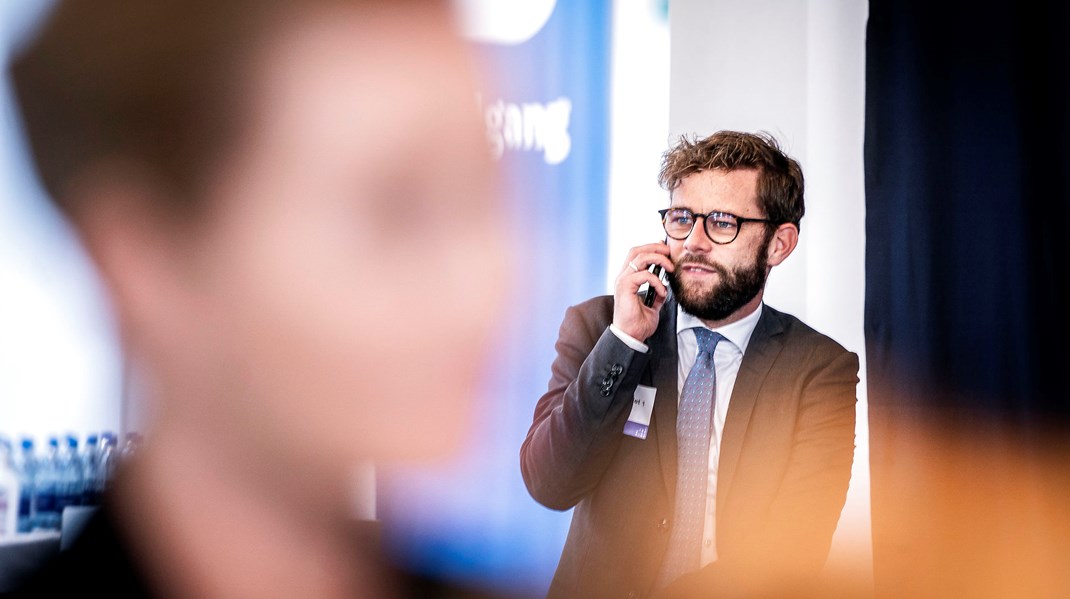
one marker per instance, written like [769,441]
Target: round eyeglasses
[720,227]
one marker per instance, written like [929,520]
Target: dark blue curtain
[967,318]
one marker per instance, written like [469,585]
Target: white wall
[639,127]
[794,68]
[59,359]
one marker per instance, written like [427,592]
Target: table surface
[22,553]
[29,537]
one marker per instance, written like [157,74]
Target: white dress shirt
[726,360]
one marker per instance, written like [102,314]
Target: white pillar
[797,70]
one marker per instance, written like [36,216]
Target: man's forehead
[723,189]
[321,90]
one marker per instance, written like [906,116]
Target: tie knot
[707,340]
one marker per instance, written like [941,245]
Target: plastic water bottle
[47,514]
[69,476]
[131,447]
[109,459]
[90,471]
[26,466]
[9,491]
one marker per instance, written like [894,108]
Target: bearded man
[704,440]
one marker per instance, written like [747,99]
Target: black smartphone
[651,293]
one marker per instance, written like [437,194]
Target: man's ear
[133,245]
[782,244]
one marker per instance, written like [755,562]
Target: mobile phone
[651,293]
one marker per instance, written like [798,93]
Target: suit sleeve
[790,546]
[578,422]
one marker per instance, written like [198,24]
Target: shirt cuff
[628,340]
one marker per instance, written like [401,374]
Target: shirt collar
[738,333]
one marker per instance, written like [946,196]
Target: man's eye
[682,219]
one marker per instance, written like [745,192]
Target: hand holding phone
[640,288]
[657,270]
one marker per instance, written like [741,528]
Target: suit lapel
[762,351]
[663,368]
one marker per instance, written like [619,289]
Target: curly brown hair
[780,178]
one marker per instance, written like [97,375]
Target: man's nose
[698,242]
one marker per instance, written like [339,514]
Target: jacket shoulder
[797,332]
[588,319]
[596,308]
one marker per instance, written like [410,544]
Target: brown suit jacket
[785,461]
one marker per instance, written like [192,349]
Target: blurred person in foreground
[286,201]
[706,440]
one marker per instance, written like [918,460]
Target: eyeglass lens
[722,228]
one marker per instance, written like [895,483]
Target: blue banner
[547,120]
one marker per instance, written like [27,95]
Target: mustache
[685,260]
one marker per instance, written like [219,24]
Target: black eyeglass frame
[740,221]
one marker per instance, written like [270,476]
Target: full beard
[733,290]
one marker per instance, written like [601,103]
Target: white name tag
[642,407]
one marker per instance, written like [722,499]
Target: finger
[650,248]
[659,288]
[659,300]
[644,261]
[633,265]
[629,283]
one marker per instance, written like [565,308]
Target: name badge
[642,407]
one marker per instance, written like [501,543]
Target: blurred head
[291,206]
[739,175]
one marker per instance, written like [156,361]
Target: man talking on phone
[706,440]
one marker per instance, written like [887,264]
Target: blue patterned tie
[693,422]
